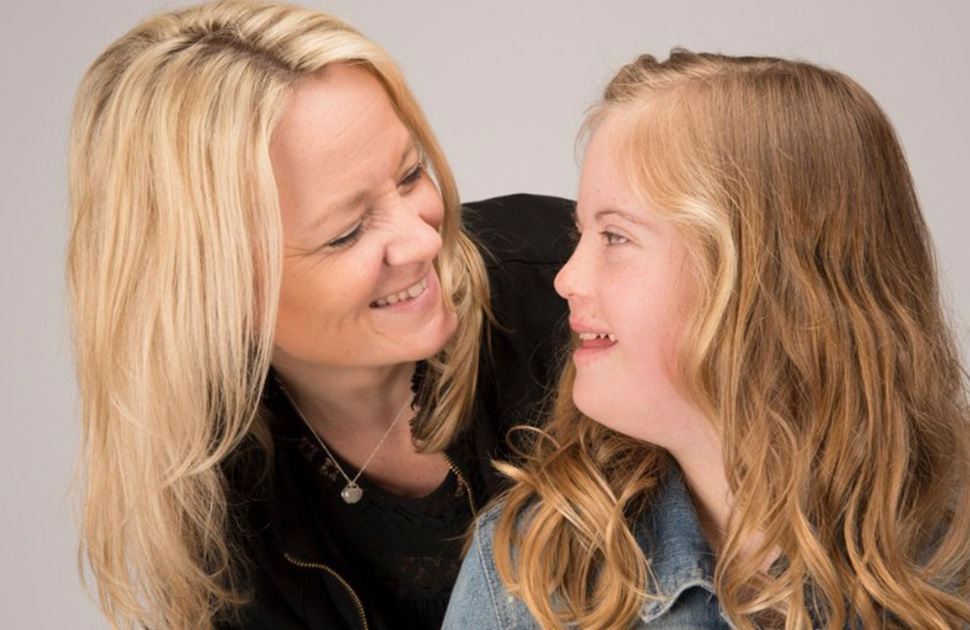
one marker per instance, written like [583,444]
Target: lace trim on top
[409,547]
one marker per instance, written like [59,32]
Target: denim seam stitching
[683,581]
[486,546]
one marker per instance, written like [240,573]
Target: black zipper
[353,594]
[350,590]
[464,482]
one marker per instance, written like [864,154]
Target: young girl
[764,422]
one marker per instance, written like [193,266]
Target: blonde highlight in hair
[819,351]
[562,543]
[174,267]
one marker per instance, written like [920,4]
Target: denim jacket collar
[668,532]
[670,535]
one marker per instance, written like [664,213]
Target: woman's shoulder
[522,228]
[524,239]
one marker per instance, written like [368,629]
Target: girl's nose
[572,279]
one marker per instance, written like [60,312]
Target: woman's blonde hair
[818,350]
[174,268]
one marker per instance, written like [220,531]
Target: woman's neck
[342,400]
[352,412]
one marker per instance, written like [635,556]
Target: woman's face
[628,292]
[360,223]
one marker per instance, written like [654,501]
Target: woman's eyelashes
[352,235]
[348,238]
[413,175]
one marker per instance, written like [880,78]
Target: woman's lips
[405,295]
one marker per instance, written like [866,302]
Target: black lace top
[407,549]
[309,561]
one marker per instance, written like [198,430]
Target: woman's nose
[416,238]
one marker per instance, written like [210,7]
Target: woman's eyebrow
[354,200]
[411,147]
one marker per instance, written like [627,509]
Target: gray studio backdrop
[504,83]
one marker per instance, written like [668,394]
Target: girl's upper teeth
[589,336]
[410,292]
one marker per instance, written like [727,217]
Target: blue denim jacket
[671,538]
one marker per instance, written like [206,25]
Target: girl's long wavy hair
[174,268]
[818,349]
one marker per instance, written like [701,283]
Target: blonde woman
[292,371]
[764,422]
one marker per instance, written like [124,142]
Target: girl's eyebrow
[632,218]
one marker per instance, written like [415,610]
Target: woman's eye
[612,238]
[413,175]
[348,238]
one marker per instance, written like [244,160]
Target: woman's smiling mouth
[402,296]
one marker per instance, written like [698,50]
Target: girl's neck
[702,463]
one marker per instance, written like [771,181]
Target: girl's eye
[612,238]
[413,175]
[348,238]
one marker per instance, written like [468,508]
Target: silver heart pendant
[351,493]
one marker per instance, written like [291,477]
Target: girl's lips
[593,346]
[597,342]
[594,336]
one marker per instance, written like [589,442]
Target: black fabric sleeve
[525,239]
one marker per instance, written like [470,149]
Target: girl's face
[628,291]
[360,221]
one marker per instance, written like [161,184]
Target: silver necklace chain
[351,492]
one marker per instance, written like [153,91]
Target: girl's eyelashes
[609,238]
[612,238]
[348,238]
